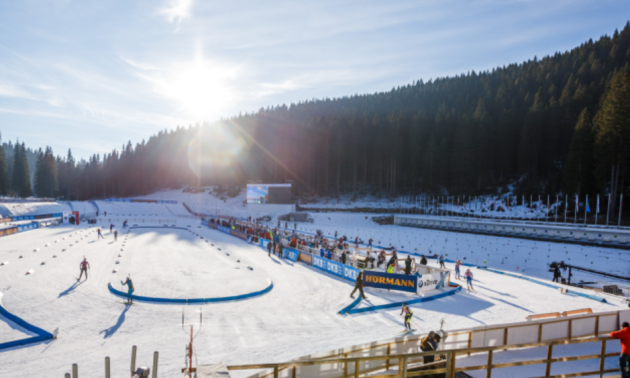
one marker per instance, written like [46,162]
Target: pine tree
[579,163]
[612,134]
[4,176]
[21,181]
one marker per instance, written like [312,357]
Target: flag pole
[597,210]
[608,210]
[566,208]
[576,209]
[620,207]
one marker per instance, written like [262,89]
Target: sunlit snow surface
[298,317]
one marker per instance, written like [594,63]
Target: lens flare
[214,148]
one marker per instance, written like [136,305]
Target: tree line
[558,124]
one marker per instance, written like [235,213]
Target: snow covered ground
[298,317]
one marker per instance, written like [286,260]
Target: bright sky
[91,75]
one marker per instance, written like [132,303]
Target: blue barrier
[41,334]
[593,297]
[329,266]
[162,227]
[412,301]
[192,300]
[351,305]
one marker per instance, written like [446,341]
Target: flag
[588,209]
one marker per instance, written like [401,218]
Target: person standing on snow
[469,278]
[390,268]
[408,265]
[111,226]
[423,260]
[269,247]
[408,314]
[99,234]
[130,290]
[370,243]
[381,259]
[358,285]
[442,261]
[457,263]
[84,266]
[116,235]
[556,274]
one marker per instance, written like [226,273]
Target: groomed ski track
[298,317]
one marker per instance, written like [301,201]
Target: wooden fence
[411,364]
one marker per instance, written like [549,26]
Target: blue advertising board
[328,265]
[225,229]
[350,272]
[390,281]
[291,254]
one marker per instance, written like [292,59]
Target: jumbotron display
[269,194]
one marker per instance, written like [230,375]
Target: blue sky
[91,75]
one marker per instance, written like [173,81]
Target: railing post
[404,371]
[67,375]
[107,368]
[133,359]
[602,358]
[356,369]
[450,365]
[549,355]
[155,364]
[489,363]
[389,348]
[275,371]
[75,371]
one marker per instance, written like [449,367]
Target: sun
[201,88]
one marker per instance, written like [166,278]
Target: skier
[99,234]
[111,226]
[358,285]
[457,263]
[408,314]
[125,223]
[84,268]
[130,291]
[269,246]
[442,261]
[469,278]
[116,235]
[408,265]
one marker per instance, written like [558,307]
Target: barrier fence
[398,352]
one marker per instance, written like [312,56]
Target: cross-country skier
[358,285]
[408,314]
[99,234]
[469,278]
[457,263]
[130,290]
[116,235]
[442,261]
[85,265]
[111,226]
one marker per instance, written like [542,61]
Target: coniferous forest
[560,124]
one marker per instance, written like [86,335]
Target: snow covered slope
[298,317]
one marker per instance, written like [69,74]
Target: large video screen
[268,194]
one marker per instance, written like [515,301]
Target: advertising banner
[329,266]
[66,217]
[292,254]
[350,273]
[238,234]
[400,282]
[433,281]
[224,229]
[8,231]
[306,258]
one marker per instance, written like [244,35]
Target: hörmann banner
[389,281]
[432,281]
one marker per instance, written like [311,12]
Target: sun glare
[201,88]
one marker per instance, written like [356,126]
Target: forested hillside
[559,124]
